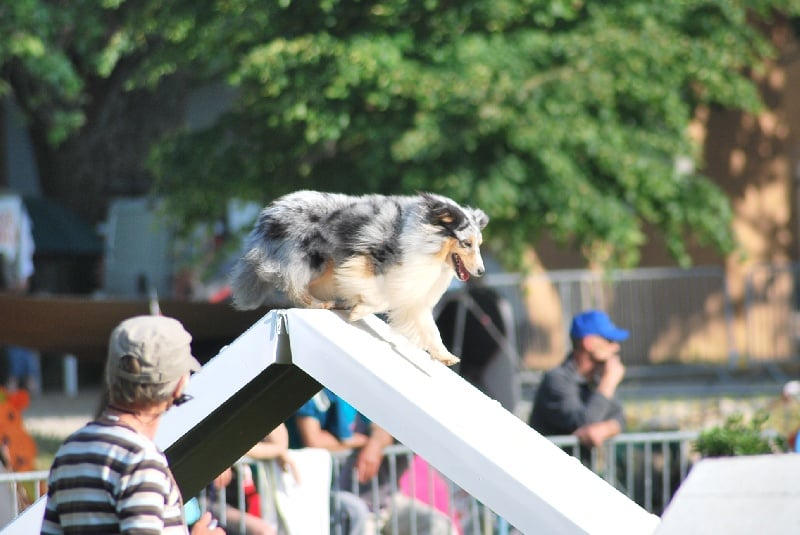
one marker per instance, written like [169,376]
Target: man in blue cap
[578,397]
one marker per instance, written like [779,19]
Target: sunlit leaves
[557,115]
[562,116]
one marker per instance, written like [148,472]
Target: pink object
[441,495]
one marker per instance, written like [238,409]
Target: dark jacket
[566,401]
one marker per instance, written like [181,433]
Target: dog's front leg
[421,330]
[434,344]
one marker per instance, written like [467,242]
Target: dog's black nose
[480,272]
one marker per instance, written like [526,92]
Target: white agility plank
[221,377]
[467,436]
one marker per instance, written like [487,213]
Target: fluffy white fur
[372,253]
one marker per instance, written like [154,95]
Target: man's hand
[224,479]
[369,460]
[356,441]
[287,464]
[612,372]
[593,435]
[370,457]
[207,526]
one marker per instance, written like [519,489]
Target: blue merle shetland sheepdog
[372,254]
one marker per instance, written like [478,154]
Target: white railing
[18,490]
[648,467]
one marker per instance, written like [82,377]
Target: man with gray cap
[109,476]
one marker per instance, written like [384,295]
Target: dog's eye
[467,244]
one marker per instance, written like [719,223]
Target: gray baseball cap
[160,344]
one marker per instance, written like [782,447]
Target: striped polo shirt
[108,478]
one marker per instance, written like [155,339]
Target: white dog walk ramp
[468,437]
[269,371]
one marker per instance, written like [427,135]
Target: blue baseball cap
[596,322]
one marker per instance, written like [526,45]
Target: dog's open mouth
[461,271]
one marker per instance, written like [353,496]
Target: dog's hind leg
[305,296]
[251,282]
[304,299]
[356,284]
[319,292]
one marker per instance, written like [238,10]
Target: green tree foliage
[93,80]
[565,116]
[551,115]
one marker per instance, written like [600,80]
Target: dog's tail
[250,283]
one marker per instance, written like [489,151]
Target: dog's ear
[437,211]
[480,218]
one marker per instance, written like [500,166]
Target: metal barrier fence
[675,315]
[439,506]
[648,467]
[18,490]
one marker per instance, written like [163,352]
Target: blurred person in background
[579,396]
[16,271]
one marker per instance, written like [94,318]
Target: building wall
[756,160]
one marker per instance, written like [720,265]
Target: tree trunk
[106,158]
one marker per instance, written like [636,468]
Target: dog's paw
[303,301]
[358,312]
[448,359]
[325,305]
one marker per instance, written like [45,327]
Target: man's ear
[589,342]
[181,386]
